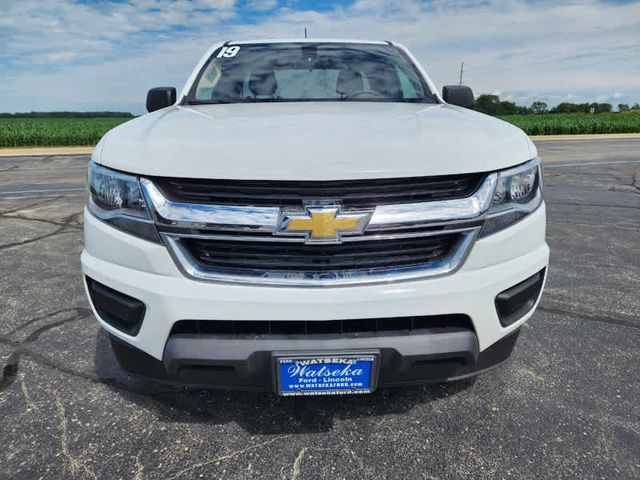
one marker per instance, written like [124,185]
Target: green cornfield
[36,132]
[576,123]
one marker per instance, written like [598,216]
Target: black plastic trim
[459,95]
[117,309]
[160,97]
[354,193]
[365,256]
[515,302]
[324,329]
[419,359]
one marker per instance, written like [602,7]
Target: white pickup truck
[312,217]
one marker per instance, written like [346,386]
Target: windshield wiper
[243,100]
[208,102]
[292,100]
[420,100]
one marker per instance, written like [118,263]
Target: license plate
[326,374]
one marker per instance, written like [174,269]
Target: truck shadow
[262,412]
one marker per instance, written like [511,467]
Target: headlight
[116,199]
[518,193]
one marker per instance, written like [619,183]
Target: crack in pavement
[565,173]
[70,222]
[42,360]
[10,371]
[60,231]
[40,203]
[153,391]
[594,226]
[632,187]
[45,316]
[66,224]
[227,456]
[296,467]
[77,226]
[80,312]
[75,465]
[61,169]
[30,405]
[11,367]
[573,204]
[583,316]
[158,388]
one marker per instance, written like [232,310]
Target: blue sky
[104,55]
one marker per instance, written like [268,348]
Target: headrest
[349,82]
[228,88]
[385,80]
[263,83]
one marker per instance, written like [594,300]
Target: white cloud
[109,53]
[261,4]
[60,57]
[35,31]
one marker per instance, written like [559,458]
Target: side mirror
[160,97]
[458,95]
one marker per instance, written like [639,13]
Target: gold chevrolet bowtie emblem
[323,223]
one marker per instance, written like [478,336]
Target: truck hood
[313,141]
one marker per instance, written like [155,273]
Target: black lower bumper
[206,361]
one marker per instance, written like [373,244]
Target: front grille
[229,230]
[368,255]
[355,327]
[352,193]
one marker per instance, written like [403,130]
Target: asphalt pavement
[567,405]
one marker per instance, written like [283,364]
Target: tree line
[492,105]
[66,115]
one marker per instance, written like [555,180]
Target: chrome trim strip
[202,216]
[361,238]
[423,233]
[190,268]
[265,219]
[409,215]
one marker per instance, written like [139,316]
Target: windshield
[296,72]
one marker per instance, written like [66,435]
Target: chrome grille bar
[193,269]
[361,238]
[211,217]
[410,215]
[250,219]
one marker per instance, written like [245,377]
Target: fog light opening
[515,302]
[121,311]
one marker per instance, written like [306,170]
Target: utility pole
[461,71]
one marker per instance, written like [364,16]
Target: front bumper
[205,362]
[145,271]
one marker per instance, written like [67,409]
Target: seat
[228,89]
[349,82]
[263,84]
[386,82]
